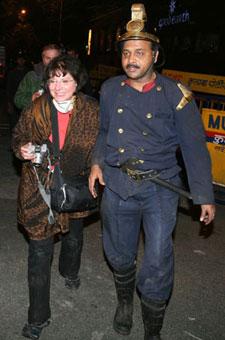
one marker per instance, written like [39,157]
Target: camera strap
[55,144]
[46,197]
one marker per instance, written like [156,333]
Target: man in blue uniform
[145,117]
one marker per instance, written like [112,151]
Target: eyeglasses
[63,82]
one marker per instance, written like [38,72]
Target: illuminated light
[89,42]
[23,11]
[175,19]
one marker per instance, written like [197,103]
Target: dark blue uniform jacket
[148,126]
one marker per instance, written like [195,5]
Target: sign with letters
[205,83]
[214,124]
[174,17]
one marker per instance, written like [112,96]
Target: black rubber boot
[32,331]
[72,284]
[125,285]
[153,315]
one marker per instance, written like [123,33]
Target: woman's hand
[26,152]
[96,174]
[36,95]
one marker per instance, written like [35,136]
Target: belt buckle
[132,174]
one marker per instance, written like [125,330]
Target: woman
[78,127]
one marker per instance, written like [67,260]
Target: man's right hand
[96,174]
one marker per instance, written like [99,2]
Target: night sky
[200,43]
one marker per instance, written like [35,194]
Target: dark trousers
[39,268]
[156,208]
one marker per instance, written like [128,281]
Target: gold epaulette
[187,97]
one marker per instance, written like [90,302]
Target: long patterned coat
[35,126]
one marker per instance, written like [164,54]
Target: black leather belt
[152,175]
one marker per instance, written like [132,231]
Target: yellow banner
[214,124]
[205,83]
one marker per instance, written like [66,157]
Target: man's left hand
[207,213]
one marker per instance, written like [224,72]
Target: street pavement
[196,308]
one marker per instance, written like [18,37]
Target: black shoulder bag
[65,196]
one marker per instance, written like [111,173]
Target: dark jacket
[148,127]
[13,79]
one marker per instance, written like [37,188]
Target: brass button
[158,88]
[145,133]
[120,110]
[142,149]
[120,130]
[141,161]
[121,150]
[149,115]
[122,83]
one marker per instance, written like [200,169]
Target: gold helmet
[136,26]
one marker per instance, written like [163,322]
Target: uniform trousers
[39,268]
[155,208]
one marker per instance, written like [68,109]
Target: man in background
[87,88]
[70,50]
[31,86]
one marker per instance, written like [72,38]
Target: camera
[39,151]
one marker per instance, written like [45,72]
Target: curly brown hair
[64,64]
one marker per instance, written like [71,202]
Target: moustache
[132,65]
